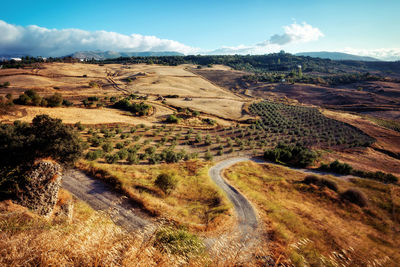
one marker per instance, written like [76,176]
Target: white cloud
[382,53]
[38,41]
[297,33]
[294,33]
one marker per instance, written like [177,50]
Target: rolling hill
[336,56]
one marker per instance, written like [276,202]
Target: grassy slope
[90,239]
[196,202]
[306,224]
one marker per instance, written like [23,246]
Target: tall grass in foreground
[91,239]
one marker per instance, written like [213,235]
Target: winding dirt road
[247,219]
[101,196]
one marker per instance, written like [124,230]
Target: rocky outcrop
[41,190]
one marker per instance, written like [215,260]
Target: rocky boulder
[41,190]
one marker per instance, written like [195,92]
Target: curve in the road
[247,219]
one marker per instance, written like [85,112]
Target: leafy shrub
[132,158]
[330,184]
[311,179]
[171,156]
[179,242]
[93,98]
[95,141]
[119,145]
[5,84]
[67,103]
[112,158]
[355,196]
[172,119]
[139,109]
[55,100]
[107,147]
[321,182]
[344,168]
[166,182]
[29,97]
[208,156]
[93,155]
[295,155]
[123,154]
[79,126]
[337,167]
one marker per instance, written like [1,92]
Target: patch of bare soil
[229,79]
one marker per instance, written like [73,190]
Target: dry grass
[196,202]
[222,107]
[308,225]
[91,239]
[86,116]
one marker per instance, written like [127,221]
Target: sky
[57,28]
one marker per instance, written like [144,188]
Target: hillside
[336,56]
[152,144]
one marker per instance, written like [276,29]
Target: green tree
[21,144]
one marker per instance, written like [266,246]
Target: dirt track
[247,219]
[101,196]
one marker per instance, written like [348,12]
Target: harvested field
[85,116]
[226,108]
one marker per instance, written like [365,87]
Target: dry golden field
[72,81]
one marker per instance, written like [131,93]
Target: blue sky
[362,27]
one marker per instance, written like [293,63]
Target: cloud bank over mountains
[39,41]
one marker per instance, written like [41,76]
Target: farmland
[152,133]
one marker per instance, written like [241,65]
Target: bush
[178,241]
[172,119]
[133,158]
[171,156]
[295,155]
[355,196]
[55,100]
[95,141]
[321,182]
[311,179]
[119,145]
[112,158]
[337,167]
[79,126]
[93,155]
[67,103]
[208,156]
[330,184]
[139,109]
[123,154]
[107,147]
[166,182]
[346,169]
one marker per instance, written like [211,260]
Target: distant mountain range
[100,55]
[336,56]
